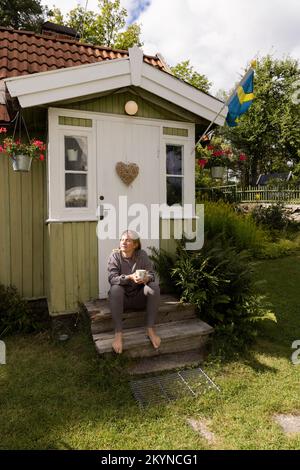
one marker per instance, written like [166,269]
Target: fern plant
[219,281]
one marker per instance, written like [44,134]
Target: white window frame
[182,175]
[56,170]
[188,169]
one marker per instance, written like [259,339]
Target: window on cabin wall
[174,174]
[76,171]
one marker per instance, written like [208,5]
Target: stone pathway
[289,423]
[201,427]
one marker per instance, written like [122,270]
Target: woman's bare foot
[118,343]
[155,340]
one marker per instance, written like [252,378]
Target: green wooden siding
[73,265]
[58,260]
[22,231]
[115,104]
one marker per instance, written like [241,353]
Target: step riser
[167,346]
[151,365]
[138,319]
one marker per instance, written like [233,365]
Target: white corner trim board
[84,80]
[136,63]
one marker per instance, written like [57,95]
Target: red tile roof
[25,52]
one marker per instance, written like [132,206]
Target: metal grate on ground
[165,388]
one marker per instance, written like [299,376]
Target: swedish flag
[241,99]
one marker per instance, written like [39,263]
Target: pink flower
[202,162]
[42,157]
[210,147]
[3,130]
[242,157]
[39,144]
[218,153]
[1,148]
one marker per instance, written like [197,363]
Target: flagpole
[226,103]
[212,123]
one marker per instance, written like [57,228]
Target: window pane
[76,153]
[76,190]
[174,159]
[174,190]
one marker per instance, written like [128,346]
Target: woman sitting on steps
[128,290]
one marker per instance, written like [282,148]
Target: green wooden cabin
[57,221]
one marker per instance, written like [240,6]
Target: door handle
[101,210]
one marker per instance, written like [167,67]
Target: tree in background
[129,38]
[22,14]
[269,132]
[104,28]
[84,22]
[186,72]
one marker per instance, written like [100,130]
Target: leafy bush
[222,219]
[219,282]
[282,247]
[15,313]
[273,217]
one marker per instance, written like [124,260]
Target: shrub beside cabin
[73,96]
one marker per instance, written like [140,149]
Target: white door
[120,140]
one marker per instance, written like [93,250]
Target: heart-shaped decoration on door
[127,171]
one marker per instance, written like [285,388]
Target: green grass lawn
[62,396]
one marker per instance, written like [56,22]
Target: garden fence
[234,193]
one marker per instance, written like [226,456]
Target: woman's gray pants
[119,301]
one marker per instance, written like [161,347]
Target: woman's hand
[134,277]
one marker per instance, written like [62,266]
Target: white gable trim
[184,95]
[84,80]
[61,84]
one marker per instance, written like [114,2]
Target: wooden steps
[176,337]
[184,336]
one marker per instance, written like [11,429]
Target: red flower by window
[202,162]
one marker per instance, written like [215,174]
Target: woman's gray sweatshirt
[119,268]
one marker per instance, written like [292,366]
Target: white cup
[141,274]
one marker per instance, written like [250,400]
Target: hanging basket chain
[15,126]
[19,118]
[25,128]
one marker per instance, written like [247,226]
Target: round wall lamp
[131,108]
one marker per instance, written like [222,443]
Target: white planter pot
[72,155]
[21,162]
[217,171]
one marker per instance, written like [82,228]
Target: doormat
[168,387]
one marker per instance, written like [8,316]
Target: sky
[219,37]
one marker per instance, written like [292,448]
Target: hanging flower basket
[21,154]
[217,171]
[21,162]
